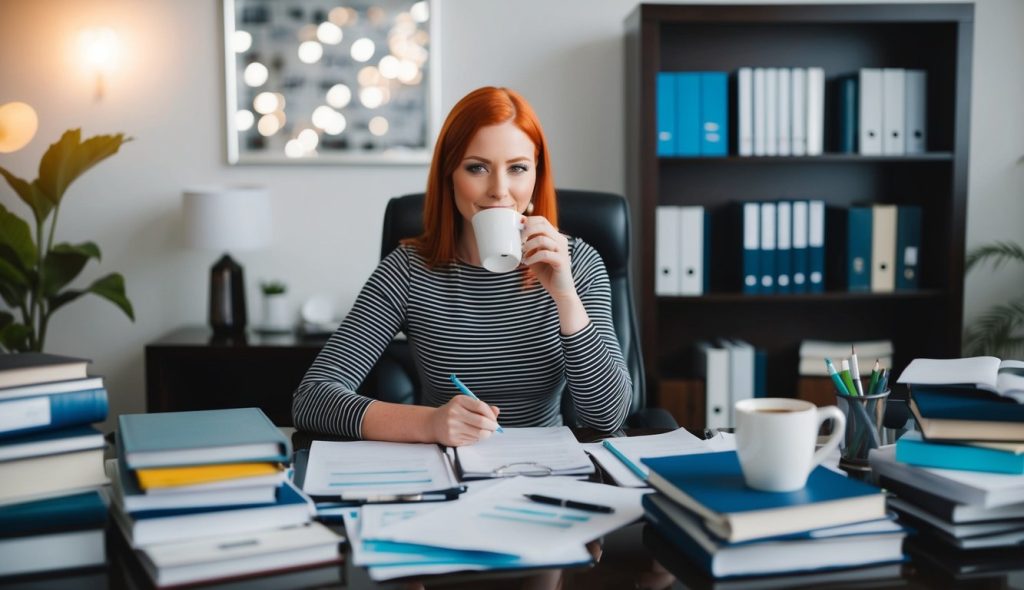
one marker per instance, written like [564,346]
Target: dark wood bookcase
[841,39]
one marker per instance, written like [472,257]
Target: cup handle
[838,428]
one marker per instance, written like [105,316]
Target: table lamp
[227,218]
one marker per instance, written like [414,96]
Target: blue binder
[858,249]
[798,247]
[784,247]
[714,117]
[750,217]
[688,114]
[768,242]
[908,246]
[666,113]
[816,246]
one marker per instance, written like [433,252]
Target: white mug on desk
[498,238]
[775,439]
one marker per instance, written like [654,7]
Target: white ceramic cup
[775,440]
[498,238]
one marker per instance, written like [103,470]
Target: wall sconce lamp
[18,124]
[99,50]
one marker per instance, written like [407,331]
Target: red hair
[483,107]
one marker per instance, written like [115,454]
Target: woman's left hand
[546,252]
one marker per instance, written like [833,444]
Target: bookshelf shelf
[841,39]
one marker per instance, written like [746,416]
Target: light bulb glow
[339,96]
[362,49]
[310,52]
[244,119]
[255,74]
[378,126]
[241,41]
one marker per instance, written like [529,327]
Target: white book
[915,112]
[883,248]
[987,373]
[893,124]
[760,125]
[745,110]
[821,349]
[52,388]
[771,111]
[869,112]
[798,114]
[667,220]
[785,109]
[815,366]
[691,250]
[713,363]
[976,488]
[39,444]
[226,556]
[38,477]
[56,551]
[815,111]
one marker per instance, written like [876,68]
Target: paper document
[376,470]
[630,449]
[525,451]
[501,520]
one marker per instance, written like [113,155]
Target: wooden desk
[189,369]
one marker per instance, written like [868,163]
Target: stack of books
[52,513]
[704,508]
[203,496]
[960,480]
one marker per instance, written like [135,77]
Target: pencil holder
[864,414]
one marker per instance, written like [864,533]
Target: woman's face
[498,170]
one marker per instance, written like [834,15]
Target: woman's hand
[546,252]
[463,421]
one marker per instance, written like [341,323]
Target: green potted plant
[34,270]
[275,306]
[999,331]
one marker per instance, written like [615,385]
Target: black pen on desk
[587,506]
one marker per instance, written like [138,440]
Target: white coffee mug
[498,238]
[775,440]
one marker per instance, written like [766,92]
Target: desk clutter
[52,507]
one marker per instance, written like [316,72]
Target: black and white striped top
[500,337]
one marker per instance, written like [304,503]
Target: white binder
[691,251]
[798,114]
[893,86]
[799,229]
[713,364]
[741,373]
[785,129]
[915,111]
[815,242]
[666,251]
[767,247]
[815,111]
[783,241]
[883,248]
[745,111]
[771,111]
[869,112]
[759,122]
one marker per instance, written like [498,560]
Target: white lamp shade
[227,218]
[18,124]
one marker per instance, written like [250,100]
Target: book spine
[24,415]
[967,458]
[671,531]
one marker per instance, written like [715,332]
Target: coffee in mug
[498,238]
[775,440]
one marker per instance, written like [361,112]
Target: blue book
[66,513]
[858,249]
[816,246]
[760,373]
[908,246]
[666,113]
[911,448]
[51,412]
[751,220]
[846,88]
[714,113]
[878,541]
[711,485]
[961,403]
[688,114]
[207,437]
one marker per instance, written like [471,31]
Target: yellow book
[168,477]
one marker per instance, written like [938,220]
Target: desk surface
[636,556]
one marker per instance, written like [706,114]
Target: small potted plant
[275,306]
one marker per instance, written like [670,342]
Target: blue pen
[836,379]
[465,391]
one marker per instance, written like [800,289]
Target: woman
[514,339]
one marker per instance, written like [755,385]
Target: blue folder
[666,113]
[714,113]
[688,114]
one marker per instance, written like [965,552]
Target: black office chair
[601,220]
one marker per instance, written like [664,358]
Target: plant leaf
[64,262]
[1000,252]
[999,331]
[110,287]
[14,337]
[67,159]
[30,193]
[16,238]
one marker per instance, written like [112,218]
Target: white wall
[168,94]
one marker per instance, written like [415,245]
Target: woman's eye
[476,168]
[520,168]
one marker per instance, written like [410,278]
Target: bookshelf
[841,39]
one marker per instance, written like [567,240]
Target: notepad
[525,451]
[372,471]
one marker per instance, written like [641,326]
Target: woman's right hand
[463,421]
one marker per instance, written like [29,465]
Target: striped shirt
[500,337]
